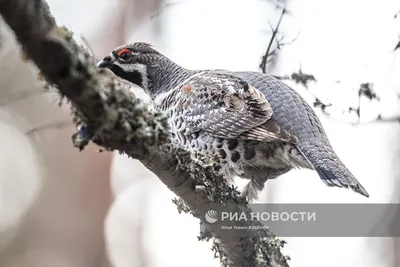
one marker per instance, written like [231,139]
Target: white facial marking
[141,68]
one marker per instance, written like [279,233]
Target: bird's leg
[251,190]
[258,177]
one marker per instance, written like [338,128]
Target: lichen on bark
[118,121]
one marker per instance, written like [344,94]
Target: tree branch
[397,14]
[365,91]
[118,121]
[397,46]
[268,53]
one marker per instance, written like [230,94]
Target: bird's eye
[125,54]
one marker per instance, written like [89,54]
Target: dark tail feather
[330,168]
[330,179]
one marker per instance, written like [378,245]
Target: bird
[257,126]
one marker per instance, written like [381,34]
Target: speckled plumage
[259,126]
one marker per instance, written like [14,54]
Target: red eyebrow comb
[124,50]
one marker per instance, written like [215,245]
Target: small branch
[380,118]
[118,121]
[24,94]
[279,4]
[164,7]
[397,45]
[52,125]
[280,43]
[364,91]
[268,52]
[397,14]
[299,77]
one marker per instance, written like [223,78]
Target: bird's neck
[166,75]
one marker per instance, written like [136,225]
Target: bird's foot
[82,137]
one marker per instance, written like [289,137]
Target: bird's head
[132,63]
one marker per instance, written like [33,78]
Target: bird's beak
[106,62]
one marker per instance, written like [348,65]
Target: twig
[18,96]
[279,4]
[397,45]
[380,118]
[280,43]
[51,125]
[364,91]
[397,14]
[268,53]
[164,7]
[118,121]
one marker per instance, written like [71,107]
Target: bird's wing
[226,106]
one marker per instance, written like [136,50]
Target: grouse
[258,126]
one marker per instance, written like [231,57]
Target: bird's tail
[331,169]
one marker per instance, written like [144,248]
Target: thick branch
[120,122]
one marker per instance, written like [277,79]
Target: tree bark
[118,121]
